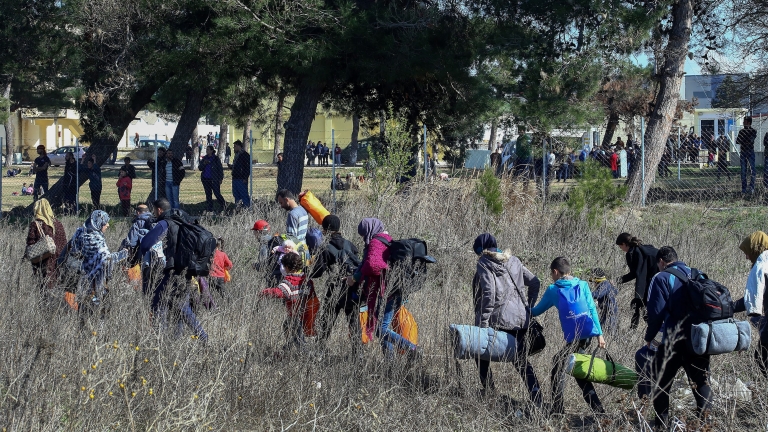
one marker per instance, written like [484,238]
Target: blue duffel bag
[471,342]
[720,337]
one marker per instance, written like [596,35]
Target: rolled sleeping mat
[472,342]
[597,370]
[721,337]
[314,207]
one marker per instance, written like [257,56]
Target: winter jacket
[754,296]
[552,298]
[746,141]
[660,301]
[221,262]
[178,170]
[294,290]
[340,257]
[139,228]
[500,301]
[216,170]
[641,261]
[241,166]
[164,232]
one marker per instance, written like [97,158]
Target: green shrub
[489,187]
[595,191]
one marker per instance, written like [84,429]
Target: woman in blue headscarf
[98,262]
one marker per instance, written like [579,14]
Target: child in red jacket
[301,303]
[124,186]
[221,266]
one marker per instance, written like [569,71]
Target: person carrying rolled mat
[500,303]
[580,324]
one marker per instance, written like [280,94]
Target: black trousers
[558,378]
[522,365]
[341,298]
[667,361]
[213,187]
[96,198]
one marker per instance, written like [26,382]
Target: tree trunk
[492,138]
[353,143]
[187,122]
[610,128]
[9,141]
[278,123]
[223,139]
[665,105]
[195,149]
[291,171]
[247,130]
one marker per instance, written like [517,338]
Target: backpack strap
[386,242]
[678,273]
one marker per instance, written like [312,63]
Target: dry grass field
[61,371]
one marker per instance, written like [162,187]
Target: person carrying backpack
[500,304]
[339,259]
[172,294]
[641,260]
[382,303]
[580,324]
[755,302]
[667,311]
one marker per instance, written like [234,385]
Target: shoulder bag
[43,249]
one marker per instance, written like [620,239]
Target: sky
[691,68]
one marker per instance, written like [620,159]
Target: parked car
[146,149]
[57,156]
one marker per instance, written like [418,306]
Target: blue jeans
[747,158]
[389,338]
[172,194]
[240,192]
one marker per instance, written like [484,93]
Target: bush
[595,191]
[489,187]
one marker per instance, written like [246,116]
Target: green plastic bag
[601,371]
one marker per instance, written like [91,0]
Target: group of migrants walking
[182,267]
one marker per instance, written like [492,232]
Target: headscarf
[97,221]
[754,245]
[484,241]
[44,212]
[370,228]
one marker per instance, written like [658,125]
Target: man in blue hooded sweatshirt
[580,323]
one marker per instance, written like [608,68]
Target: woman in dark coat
[45,219]
[641,260]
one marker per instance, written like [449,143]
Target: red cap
[260,225]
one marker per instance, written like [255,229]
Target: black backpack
[705,300]
[195,247]
[408,259]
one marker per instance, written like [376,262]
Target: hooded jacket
[499,296]
[756,248]
[552,297]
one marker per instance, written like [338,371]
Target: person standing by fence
[746,143]
[40,168]
[241,171]
[212,176]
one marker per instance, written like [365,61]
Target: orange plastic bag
[69,298]
[310,315]
[227,276]
[314,207]
[134,273]
[405,325]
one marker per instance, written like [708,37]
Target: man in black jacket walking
[340,258]
[746,142]
[241,171]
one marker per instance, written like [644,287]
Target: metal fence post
[426,164]
[642,157]
[155,173]
[250,164]
[678,153]
[544,161]
[333,168]
[77,177]
[2,149]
